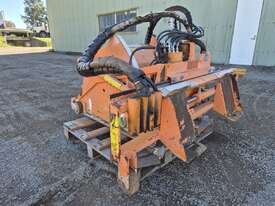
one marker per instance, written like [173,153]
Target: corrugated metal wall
[265,46]
[74,23]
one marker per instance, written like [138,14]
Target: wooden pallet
[96,136]
[93,134]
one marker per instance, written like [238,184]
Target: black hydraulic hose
[187,33]
[175,36]
[163,35]
[153,25]
[196,41]
[112,65]
[165,32]
[150,32]
[189,26]
[173,39]
[195,29]
[159,38]
[183,10]
[87,66]
[83,66]
[138,49]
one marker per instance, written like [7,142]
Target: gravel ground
[39,167]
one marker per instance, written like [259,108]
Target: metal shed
[265,46]
[74,24]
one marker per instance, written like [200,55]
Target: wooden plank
[94,144]
[79,123]
[80,134]
[66,133]
[106,143]
[78,130]
[96,133]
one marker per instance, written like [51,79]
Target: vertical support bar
[134,115]
[157,109]
[151,113]
[143,114]
[123,172]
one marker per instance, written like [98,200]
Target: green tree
[35,13]
[9,24]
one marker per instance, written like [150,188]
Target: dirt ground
[39,167]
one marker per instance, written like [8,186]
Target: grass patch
[46,40]
[3,43]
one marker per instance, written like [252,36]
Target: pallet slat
[79,123]
[104,144]
[95,133]
[79,129]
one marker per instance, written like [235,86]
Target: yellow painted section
[115,136]
[113,82]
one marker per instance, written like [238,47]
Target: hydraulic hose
[183,10]
[197,42]
[112,65]
[83,66]
[87,66]
[187,24]
[197,31]
[175,36]
[179,36]
[150,32]
[138,49]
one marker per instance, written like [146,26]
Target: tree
[35,13]
[9,24]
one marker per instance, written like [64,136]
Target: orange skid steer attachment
[146,105]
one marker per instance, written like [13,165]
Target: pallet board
[97,139]
[94,135]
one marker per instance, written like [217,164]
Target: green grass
[47,40]
[3,43]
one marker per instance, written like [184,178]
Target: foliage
[9,24]
[47,40]
[35,13]
[3,43]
